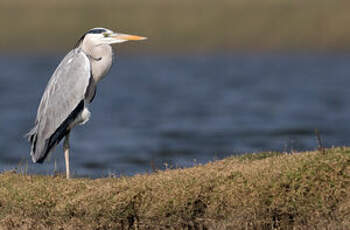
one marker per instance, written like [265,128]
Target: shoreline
[264,190]
[196,26]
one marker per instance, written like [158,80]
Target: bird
[70,90]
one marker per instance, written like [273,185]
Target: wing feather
[63,98]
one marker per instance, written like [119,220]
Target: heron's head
[101,36]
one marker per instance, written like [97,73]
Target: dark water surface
[182,110]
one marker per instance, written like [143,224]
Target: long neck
[101,58]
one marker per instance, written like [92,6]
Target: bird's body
[71,89]
[61,108]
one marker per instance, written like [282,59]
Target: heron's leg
[66,153]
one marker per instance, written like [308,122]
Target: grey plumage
[67,88]
[69,91]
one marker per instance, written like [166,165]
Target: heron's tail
[35,147]
[40,147]
[32,138]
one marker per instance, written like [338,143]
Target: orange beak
[128,37]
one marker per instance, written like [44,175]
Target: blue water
[182,110]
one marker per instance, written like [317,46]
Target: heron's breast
[102,65]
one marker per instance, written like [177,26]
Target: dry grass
[306,190]
[182,25]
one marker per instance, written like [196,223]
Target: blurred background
[215,78]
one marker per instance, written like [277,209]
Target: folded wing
[63,100]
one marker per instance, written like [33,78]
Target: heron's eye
[105,34]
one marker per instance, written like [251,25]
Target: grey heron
[70,90]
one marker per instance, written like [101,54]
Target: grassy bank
[182,25]
[309,190]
